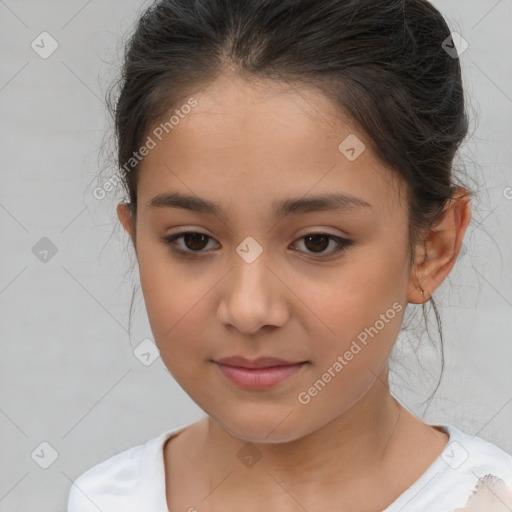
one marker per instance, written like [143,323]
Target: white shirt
[134,480]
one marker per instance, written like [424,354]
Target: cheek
[363,299]
[174,297]
[176,316]
[364,322]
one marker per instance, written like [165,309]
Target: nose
[254,297]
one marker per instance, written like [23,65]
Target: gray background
[68,375]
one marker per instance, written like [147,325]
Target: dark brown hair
[382,62]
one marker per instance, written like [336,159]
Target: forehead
[261,142]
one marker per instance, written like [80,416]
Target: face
[325,287]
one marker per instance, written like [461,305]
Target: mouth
[259,374]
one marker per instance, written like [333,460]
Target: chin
[261,428]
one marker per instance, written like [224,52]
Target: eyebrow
[328,201]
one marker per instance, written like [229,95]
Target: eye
[193,240]
[316,243]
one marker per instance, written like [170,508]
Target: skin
[352,446]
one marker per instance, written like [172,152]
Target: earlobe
[125,217]
[438,253]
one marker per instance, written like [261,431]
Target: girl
[288,169]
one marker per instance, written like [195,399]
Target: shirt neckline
[153,493]
[428,477]
[154,477]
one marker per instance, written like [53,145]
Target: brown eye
[192,242]
[195,241]
[317,243]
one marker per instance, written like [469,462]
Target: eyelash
[343,243]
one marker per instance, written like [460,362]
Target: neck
[345,451]
[361,460]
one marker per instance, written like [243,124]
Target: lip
[258,374]
[260,362]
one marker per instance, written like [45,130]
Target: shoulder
[117,483]
[465,464]
[109,484]
[476,456]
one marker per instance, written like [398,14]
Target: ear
[437,253]
[125,217]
